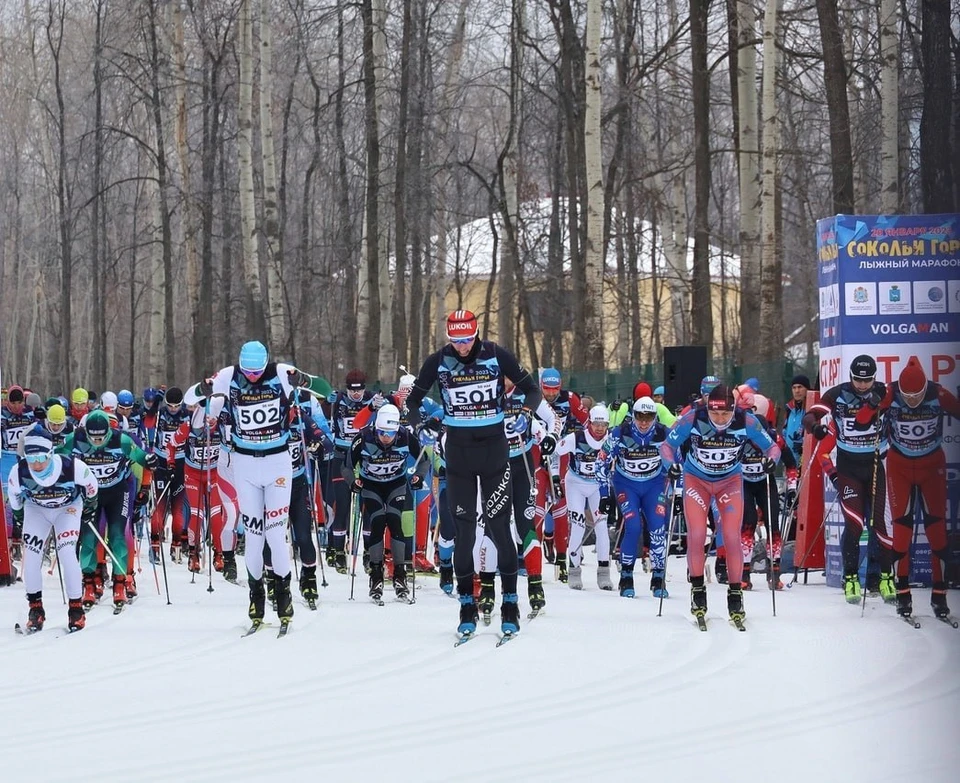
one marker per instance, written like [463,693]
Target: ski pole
[316,521]
[309,466]
[873,505]
[666,554]
[208,457]
[789,511]
[769,524]
[106,548]
[163,530]
[355,543]
[56,554]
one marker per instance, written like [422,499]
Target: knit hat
[642,389]
[37,440]
[802,380]
[753,383]
[720,399]
[56,414]
[912,378]
[356,380]
[79,396]
[550,378]
[15,394]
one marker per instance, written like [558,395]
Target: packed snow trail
[597,687]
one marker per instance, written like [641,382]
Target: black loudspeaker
[683,368]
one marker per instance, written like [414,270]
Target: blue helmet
[150,394]
[753,383]
[253,356]
[659,391]
[550,378]
[708,384]
[125,398]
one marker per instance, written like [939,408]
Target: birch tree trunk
[256,319]
[593,256]
[771,279]
[749,164]
[889,107]
[675,244]
[936,158]
[386,355]
[277,332]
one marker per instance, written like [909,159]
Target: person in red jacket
[917,476]
[200,440]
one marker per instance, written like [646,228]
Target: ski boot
[851,588]
[745,583]
[904,599]
[446,576]
[720,569]
[376,582]
[938,600]
[257,600]
[119,592]
[341,562]
[193,560]
[626,582]
[284,601]
[423,565]
[76,619]
[400,582]
[873,584]
[241,546]
[698,597]
[574,579]
[535,594]
[509,615]
[229,566]
[468,615]
[773,576]
[89,591]
[549,553]
[270,580]
[658,584]
[176,551]
[218,562]
[561,562]
[331,556]
[37,616]
[98,578]
[488,596]
[132,591]
[887,587]
[735,604]
[308,585]
[154,550]
[603,576]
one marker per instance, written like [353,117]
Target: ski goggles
[252,375]
[386,433]
[462,340]
[36,457]
[355,394]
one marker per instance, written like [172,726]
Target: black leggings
[484,458]
[381,506]
[341,502]
[523,502]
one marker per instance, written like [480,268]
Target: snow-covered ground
[596,688]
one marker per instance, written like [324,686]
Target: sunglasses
[251,375]
[37,457]
[461,340]
[386,433]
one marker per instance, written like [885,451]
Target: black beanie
[803,380]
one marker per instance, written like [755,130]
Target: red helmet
[461,324]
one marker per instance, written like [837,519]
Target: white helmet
[599,413]
[388,418]
[108,401]
[645,405]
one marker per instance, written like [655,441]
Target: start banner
[890,287]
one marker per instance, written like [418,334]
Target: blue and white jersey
[69,480]
[842,404]
[471,393]
[713,453]
[636,454]
[383,464]
[13,425]
[314,425]
[259,410]
[590,459]
[513,404]
[343,411]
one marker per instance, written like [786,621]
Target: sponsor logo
[281,481]
[459,510]
[893,295]
[460,327]
[275,513]
[252,524]
[860,295]
[529,512]
[935,293]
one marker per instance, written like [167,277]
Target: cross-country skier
[640,483]
[716,433]
[258,395]
[861,477]
[917,476]
[51,492]
[470,373]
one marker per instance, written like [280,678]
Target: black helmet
[863,368]
[173,396]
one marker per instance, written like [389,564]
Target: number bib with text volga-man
[916,432]
[61,493]
[471,393]
[379,463]
[259,412]
[851,437]
[637,455]
[109,465]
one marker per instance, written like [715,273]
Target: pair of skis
[947,619]
[503,638]
[737,620]
[257,625]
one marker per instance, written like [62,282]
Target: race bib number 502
[258,415]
